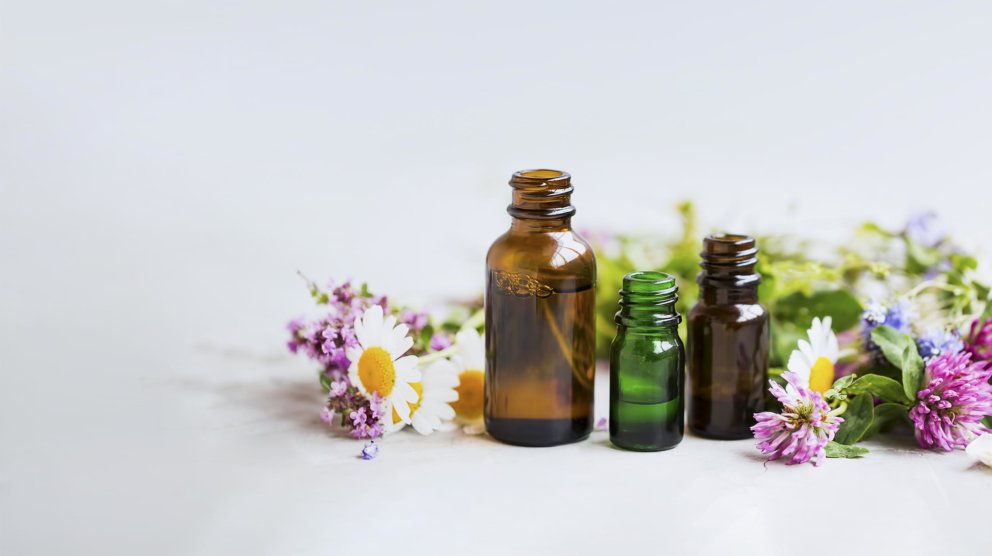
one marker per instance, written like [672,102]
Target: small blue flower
[370,451]
[899,316]
[938,342]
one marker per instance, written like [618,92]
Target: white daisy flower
[814,361]
[437,391]
[378,364]
[469,362]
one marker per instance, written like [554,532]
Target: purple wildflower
[370,451]
[327,415]
[440,341]
[327,340]
[951,406]
[804,427]
[602,425]
[925,229]
[938,342]
[979,340]
[416,320]
[361,416]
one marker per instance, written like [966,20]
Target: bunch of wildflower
[362,416]
[327,340]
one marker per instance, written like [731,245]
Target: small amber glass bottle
[647,366]
[728,340]
[540,319]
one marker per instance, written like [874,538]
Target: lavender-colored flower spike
[949,410]
[802,430]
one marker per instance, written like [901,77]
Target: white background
[166,167]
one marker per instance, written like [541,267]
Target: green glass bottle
[647,366]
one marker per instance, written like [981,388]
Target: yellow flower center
[821,376]
[470,395]
[376,371]
[419,388]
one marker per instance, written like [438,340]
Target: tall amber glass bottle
[540,319]
[728,340]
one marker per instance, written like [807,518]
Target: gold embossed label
[520,285]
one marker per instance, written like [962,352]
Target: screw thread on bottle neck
[647,299]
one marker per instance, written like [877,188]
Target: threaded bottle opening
[648,299]
[541,194]
[729,260]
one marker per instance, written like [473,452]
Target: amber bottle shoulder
[553,252]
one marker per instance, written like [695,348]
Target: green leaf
[885,415]
[857,420]
[892,343]
[836,450]
[799,308]
[325,382]
[883,387]
[900,350]
[919,259]
[912,371]
[839,391]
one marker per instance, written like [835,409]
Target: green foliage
[799,308]
[900,350]
[885,416]
[857,420]
[837,450]
[882,387]
[840,391]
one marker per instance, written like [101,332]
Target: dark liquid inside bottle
[728,341]
[541,372]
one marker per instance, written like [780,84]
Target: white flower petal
[354,353]
[353,377]
[372,323]
[401,396]
[425,424]
[980,449]
[406,369]
[800,367]
[399,343]
[471,350]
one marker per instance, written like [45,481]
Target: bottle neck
[527,225]
[726,294]
[542,201]
[647,303]
[728,275]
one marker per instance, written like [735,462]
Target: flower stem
[476,320]
[437,355]
[839,410]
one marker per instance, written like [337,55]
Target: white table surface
[166,168]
